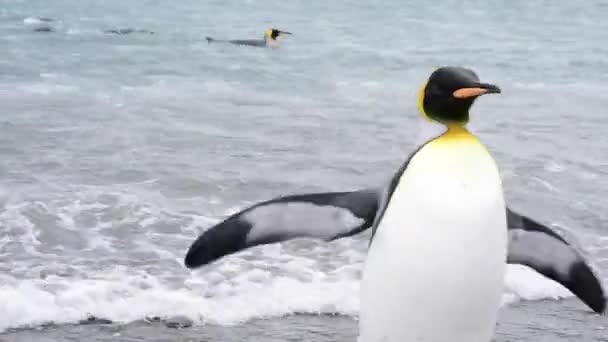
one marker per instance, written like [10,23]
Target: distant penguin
[271,39]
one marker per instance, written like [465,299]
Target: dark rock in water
[44,29]
[94,320]
[178,322]
[39,24]
[120,31]
[128,31]
[152,319]
[45,325]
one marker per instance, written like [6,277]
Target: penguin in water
[437,260]
[271,39]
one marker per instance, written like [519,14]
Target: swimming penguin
[271,39]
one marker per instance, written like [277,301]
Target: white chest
[435,269]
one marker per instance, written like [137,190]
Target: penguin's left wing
[325,216]
[537,246]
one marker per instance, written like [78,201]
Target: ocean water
[116,151]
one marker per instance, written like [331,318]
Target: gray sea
[116,151]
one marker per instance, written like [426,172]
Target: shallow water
[117,151]
[523,322]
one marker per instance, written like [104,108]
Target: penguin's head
[449,93]
[273,34]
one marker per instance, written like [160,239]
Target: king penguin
[271,39]
[436,263]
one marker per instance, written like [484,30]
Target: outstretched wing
[326,216]
[537,246]
[332,215]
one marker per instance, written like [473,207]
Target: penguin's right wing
[537,246]
[325,216]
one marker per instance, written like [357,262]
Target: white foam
[522,282]
[40,23]
[125,298]
[35,21]
[125,295]
[299,276]
[31,20]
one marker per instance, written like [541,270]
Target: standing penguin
[271,39]
[436,263]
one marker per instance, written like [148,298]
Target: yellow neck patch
[457,133]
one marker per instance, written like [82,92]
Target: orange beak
[481,89]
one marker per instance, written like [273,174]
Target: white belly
[435,270]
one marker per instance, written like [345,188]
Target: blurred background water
[116,151]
